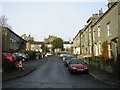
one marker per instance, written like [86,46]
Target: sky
[40,19]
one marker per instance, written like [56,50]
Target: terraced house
[99,40]
[76,43]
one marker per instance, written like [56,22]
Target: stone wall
[106,65]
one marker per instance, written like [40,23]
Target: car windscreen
[69,57]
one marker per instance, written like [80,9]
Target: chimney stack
[110,3]
[100,12]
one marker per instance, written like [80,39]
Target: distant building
[29,40]
[49,39]
[67,45]
[36,46]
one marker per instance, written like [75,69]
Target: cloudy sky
[42,18]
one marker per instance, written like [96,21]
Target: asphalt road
[53,74]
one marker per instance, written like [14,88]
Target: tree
[3,22]
[57,43]
[44,48]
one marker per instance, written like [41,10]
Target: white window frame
[98,31]
[90,49]
[108,29]
[109,50]
[99,48]
[90,41]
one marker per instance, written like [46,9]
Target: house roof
[6,28]
[100,18]
[37,42]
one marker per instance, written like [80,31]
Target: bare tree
[3,22]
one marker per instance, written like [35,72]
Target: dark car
[77,65]
[21,56]
[64,56]
[67,60]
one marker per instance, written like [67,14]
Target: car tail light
[12,59]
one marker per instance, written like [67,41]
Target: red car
[77,65]
[9,56]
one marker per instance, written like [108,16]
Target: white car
[48,54]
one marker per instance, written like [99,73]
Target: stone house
[99,40]
[12,41]
[76,43]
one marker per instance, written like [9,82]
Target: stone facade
[49,39]
[12,41]
[99,40]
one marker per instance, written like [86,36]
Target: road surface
[53,74]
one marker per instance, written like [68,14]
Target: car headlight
[85,68]
[73,68]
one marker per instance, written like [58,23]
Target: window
[109,50]
[98,31]
[100,49]
[90,42]
[108,29]
[10,40]
[95,50]
[32,45]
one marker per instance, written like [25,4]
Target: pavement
[29,66]
[34,64]
[104,76]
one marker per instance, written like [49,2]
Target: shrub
[31,54]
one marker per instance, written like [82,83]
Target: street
[53,74]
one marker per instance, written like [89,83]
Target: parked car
[61,55]
[21,56]
[8,61]
[64,57]
[9,56]
[48,54]
[77,65]
[67,60]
